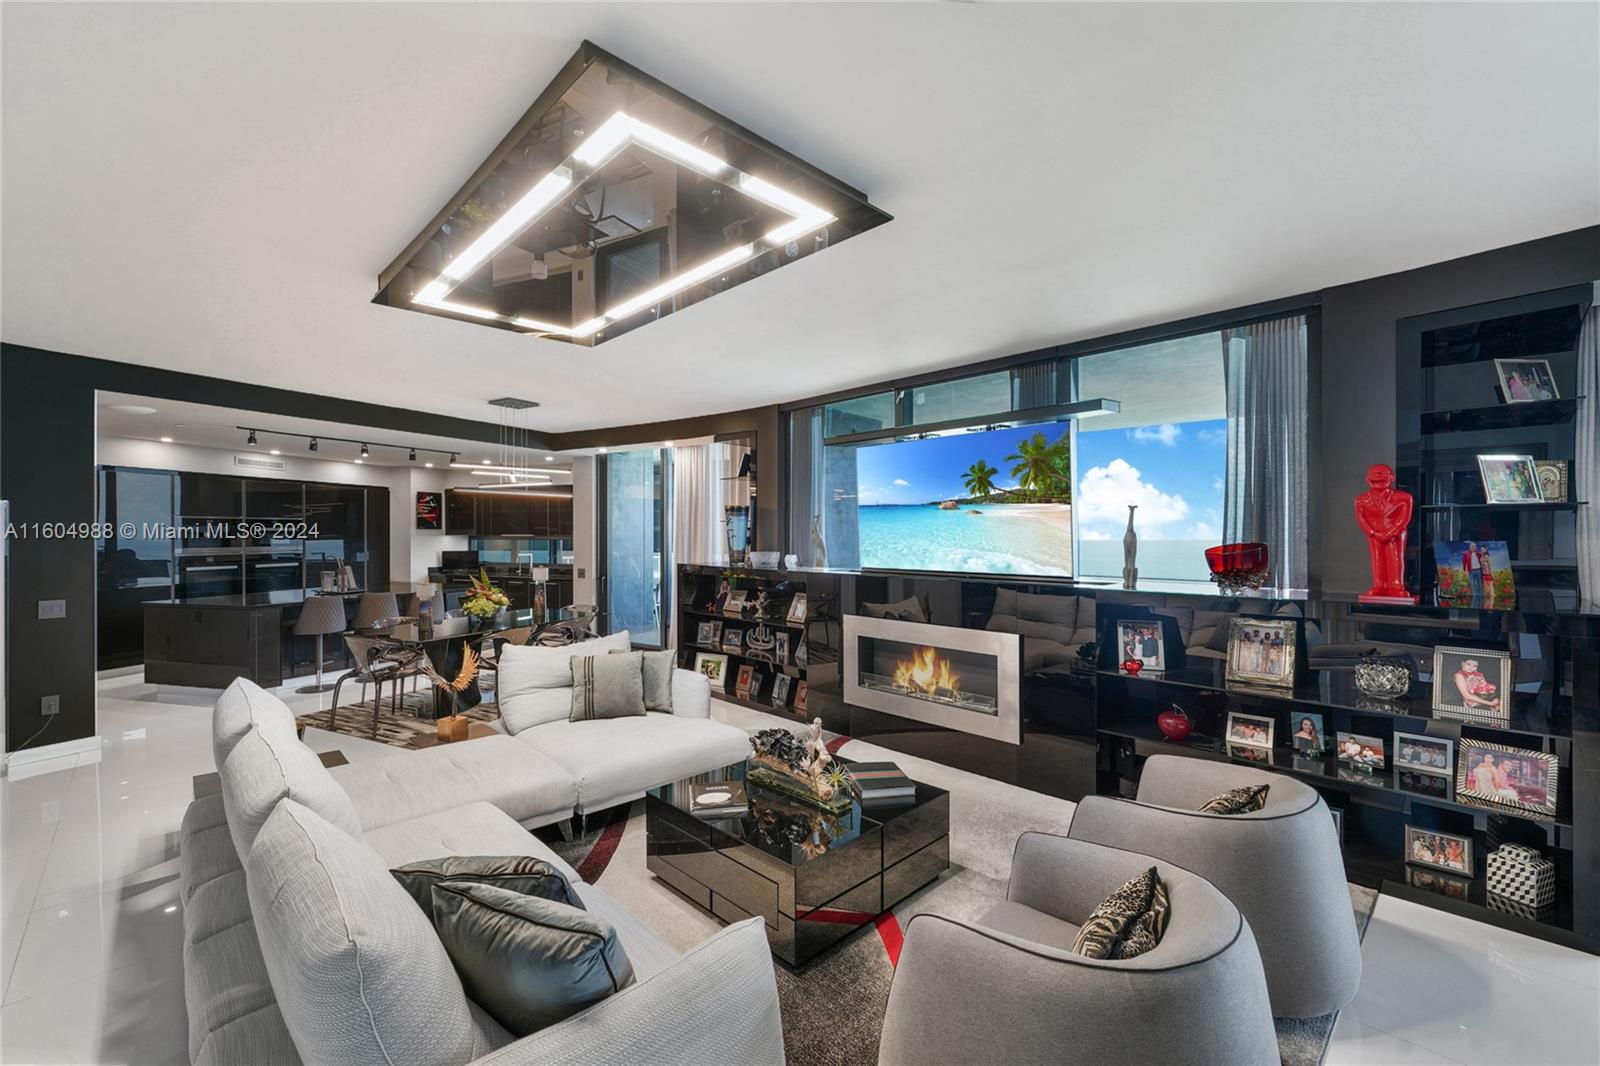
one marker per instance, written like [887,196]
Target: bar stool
[319,615]
[375,606]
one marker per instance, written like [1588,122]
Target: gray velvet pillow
[607,686]
[518,873]
[529,962]
[658,667]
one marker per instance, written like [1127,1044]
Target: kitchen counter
[279,598]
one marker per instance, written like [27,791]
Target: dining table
[444,642]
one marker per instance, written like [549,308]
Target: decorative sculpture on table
[1384,512]
[1130,552]
[801,768]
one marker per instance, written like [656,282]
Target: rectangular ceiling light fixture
[628,197]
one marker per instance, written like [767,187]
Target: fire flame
[926,672]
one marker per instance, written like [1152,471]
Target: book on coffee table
[882,781]
[724,799]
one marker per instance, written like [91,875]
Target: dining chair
[374,607]
[378,661]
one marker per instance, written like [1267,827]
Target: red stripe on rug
[594,864]
[835,917]
[838,742]
[889,932]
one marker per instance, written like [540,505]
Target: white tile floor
[90,934]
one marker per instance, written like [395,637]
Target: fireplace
[965,679]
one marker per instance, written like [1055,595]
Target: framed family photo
[1427,755]
[706,634]
[1140,639]
[1249,730]
[1261,651]
[733,640]
[1360,751]
[1308,736]
[1474,573]
[715,667]
[1526,380]
[1472,682]
[1442,851]
[1509,479]
[1509,777]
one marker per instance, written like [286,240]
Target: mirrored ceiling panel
[614,202]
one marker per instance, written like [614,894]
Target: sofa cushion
[265,768]
[359,974]
[218,904]
[526,672]
[259,1038]
[204,856]
[528,961]
[244,706]
[408,784]
[910,609]
[1028,924]
[648,953]
[224,979]
[618,759]
[658,667]
[607,686]
[471,829]
[522,874]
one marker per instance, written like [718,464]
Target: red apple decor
[1174,723]
[1132,666]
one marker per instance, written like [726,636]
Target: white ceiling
[207,426]
[216,187]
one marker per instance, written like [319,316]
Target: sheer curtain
[1264,490]
[697,501]
[1584,483]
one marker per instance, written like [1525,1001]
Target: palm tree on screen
[1037,464]
[979,479]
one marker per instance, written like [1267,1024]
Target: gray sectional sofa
[299,946]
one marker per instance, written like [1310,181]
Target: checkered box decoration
[1519,874]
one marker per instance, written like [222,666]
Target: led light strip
[596,150]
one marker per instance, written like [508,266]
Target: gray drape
[1584,483]
[1264,488]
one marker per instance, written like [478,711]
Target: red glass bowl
[1248,558]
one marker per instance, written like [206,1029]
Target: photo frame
[797,609]
[706,635]
[1472,682]
[1424,754]
[735,603]
[1249,730]
[800,695]
[1307,734]
[1141,639]
[1509,479]
[430,510]
[780,648]
[1525,380]
[713,666]
[747,680]
[1261,651]
[1360,751]
[1502,776]
[1442,851]
[733,640]
[1552,475]
[780,690]
[1474,573]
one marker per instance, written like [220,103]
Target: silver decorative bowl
[1385,677]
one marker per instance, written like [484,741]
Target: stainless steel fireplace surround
[987,702]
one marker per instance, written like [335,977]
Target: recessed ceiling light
[276,451]
[549,458]
[604,96]
[427,464]
[360,461]
[131,408]
[166,440]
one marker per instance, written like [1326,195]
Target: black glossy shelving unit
[1450,410]
[697,591]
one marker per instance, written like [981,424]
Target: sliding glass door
[633,548]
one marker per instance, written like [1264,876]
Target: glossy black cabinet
[489,514]
[460,511]
[210,496]
[274,501]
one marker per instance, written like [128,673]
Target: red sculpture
[1383,513]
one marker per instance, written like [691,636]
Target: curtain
[1584,483]
[697,502]
[1264,489]
[1033,385]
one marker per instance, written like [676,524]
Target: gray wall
[1357,394]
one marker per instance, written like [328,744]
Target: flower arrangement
[484,599]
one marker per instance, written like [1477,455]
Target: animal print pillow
[1128,923]
[1237,800]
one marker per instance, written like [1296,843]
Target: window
[975,396]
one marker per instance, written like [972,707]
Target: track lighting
[364,452]
[313,444]
[252,438]
[413,455]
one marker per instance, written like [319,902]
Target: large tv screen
[991,502]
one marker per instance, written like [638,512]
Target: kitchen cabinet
[210,496]
[460,511]
[274,501]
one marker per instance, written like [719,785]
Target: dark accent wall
[47,472]
[1357,386]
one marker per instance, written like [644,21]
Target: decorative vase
[1130,552]
[1132,667]
[1174,723]
[1384,676]
[1238,568]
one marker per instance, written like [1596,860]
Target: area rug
[986,819]
[396,728]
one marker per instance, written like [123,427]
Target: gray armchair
[1007,989]
[1281,865]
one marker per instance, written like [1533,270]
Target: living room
[1169,635]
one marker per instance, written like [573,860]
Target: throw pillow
[1237,800]
[529,962]
[1128,922]
[607,686]
[518,873]
[658,667]
[910,609]
[534,684]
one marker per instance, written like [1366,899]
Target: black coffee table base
[818,893]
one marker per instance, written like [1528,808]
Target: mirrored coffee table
[812,876]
